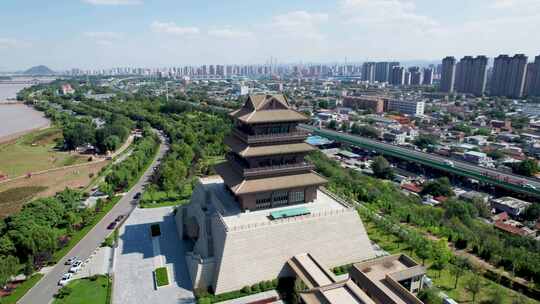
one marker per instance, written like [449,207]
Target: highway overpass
[494,177]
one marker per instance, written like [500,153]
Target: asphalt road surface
[47,287]
[462,165]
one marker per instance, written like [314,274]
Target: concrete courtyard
[138,255]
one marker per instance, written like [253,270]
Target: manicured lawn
[34,152]
[444,281]
[21,290]
[87,291]
[162,279]
[163,204]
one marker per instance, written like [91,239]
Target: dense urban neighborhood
[439,186]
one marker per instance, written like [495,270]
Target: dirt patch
[13,198]
[50,183]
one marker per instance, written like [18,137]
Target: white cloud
[515,3]
[9,43]
[400,14]
[104,35]
[104,38]
[113,2]
[230,34]
[299,24]
[173,29]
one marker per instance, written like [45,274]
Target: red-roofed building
[412,188]
[441,199]
[67,89]
[513,227]
[503,216]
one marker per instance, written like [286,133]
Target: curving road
[47,287]
[495,177]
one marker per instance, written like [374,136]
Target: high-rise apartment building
[509,75]
[532,82]
[368,71]
[382,71]
[428,77]
[416,75]
[448,75]
[471,75]
[398,76]
[407,78]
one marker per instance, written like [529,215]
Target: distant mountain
[39,70]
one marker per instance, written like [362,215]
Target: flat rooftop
[232,215]
[397,267]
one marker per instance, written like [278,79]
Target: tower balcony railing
[278,169]
[275,137]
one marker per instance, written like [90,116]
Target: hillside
[39,70]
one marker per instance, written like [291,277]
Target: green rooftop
[289,213]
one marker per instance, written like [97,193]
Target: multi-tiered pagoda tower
[265,167]
[266,206]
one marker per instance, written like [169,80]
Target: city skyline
[108,33]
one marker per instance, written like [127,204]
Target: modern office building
[509,75]
[428,76]
[448,75]
[368,72]
[266,206]
[471,75]
[398,76]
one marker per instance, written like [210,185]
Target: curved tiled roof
[238,185]
[267,108]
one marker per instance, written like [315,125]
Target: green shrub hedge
[162,279]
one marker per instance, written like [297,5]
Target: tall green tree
[8,268]
[458,269]
[381,168]
[473,285]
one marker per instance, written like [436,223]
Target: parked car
[65,279]
[71,260]
[119,218]
[76,266]
[112,225]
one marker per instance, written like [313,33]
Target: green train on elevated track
[494,177]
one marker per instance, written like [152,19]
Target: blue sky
[105,33]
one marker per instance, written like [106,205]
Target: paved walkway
[45,289]
[98,263]
[138,255]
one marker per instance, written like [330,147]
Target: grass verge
[93,290]
[21,289]
[161,276]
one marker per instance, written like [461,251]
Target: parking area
[136,255]
[97,264]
